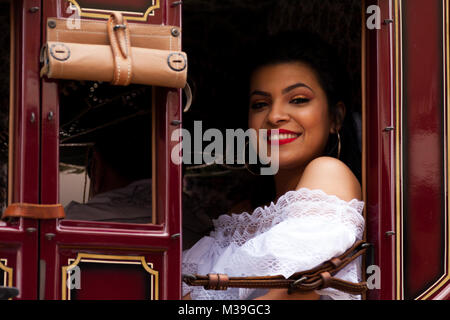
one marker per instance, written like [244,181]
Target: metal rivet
[390,233]
[49,236]
[51,24]
[175,122]
[30,230]
[175,32]
[33,9]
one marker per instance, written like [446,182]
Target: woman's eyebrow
[286,90]
[260,93]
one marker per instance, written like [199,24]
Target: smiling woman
[298,89]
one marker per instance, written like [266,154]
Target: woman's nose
[277,114]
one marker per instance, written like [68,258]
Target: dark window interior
[105,145]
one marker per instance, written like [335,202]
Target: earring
[339,145]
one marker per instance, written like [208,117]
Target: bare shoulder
[333,177]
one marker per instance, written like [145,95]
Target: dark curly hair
[322,58]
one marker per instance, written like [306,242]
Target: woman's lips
[283,137]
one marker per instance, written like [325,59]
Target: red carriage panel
[407,150]
[37,256]
[18,238]
[115,260]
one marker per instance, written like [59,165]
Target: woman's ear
[338,117]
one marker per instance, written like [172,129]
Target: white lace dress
[300,231]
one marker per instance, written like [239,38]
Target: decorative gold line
[87,257]
[398,216]
[5,274]
[446,277]
[106,16]
[100,11]
[111,262]
[8,271]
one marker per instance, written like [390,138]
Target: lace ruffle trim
[239,228]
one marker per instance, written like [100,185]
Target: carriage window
[220,96]
[5,119]
[105,152]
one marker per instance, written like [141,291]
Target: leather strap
[119,38]
[314,279]
[34,211]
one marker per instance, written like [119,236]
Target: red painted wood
[424,197]
[159,16]
[152,241]
[380,166]
[16,244]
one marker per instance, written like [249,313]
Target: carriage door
[105,156]
[19,142]
[407,113]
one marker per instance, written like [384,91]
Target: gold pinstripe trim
[398,152]
[111,259]
[8,277]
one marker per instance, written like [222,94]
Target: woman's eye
[299,100]
[258,105]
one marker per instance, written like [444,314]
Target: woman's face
[288,97]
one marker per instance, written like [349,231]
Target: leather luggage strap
[34,211]
[317,278]
[119,38]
